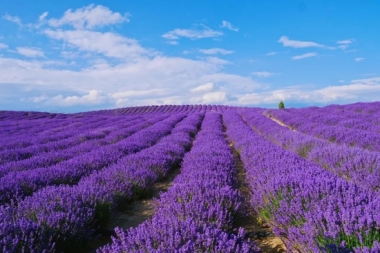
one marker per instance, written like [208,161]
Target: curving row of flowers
[196,213]
[356,165]
[61,217]
[54,152]
[365,139]
[16,185]
[315,210]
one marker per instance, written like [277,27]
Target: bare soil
[280,122]
[257,230]
[133,214]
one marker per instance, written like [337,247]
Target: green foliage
[359,240]
[281,105]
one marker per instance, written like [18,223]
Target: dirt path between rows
[279,122]
[133,214]
[257,229]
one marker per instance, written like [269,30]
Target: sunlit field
[191,178]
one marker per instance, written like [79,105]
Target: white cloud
[69,54]
[373,81]
[271,53]
[228,25]
[344,44]
[125,96]
[359,59]
[42,17]
[191,34]
[343,47]
[172,42]
[108,44]
[89,17]
[93,97]
[263,74]
[286,42]
[231,83]
[17,20]
[365,89]
[3,46]
[217,61]
[137,93]
[215,51]
[171,100]
[13,19]
[345,41]
[203,88]
[303,56]
[160,80]
[210,98]
[129,75]
[39,99]
[30,52]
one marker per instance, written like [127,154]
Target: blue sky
[71,56]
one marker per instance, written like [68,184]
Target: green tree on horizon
[281,105]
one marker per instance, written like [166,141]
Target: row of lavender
[20,176]
[22,132]
[31,133]
[161,109]
[16,185]
[22,125]
[50,130]
[196,213]
[58,216]
[8,118]
[314,209]
[51,141]
[360,116]
[366,139]
[354,164]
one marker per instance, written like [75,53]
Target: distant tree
[281,105]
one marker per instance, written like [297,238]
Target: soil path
[133,214]
[256,229]
[279,122]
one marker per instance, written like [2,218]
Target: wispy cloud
[203,88]
[263,74]
[108,43]
[344,44]
[303,56]
[359,59]
[43,16]
[215,51]
[3,46]
[30,52]
[89,17]
[106,57]
[365,89]
[137,93]
[93,97]
[286,42]
[271,53]
[191,34]
[228,25]
[210,98]
[13,19]
[172,42]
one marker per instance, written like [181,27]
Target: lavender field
[238,179]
